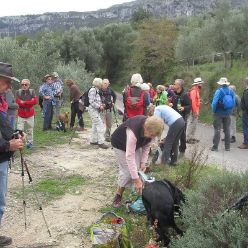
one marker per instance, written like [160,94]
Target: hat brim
[11,78]
[220,83]
[196,83]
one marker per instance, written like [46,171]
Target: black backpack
[85,98]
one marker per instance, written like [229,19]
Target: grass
[56,187]
[53,137]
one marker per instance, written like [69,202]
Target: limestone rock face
[31,24]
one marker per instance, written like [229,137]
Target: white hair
[145,86]
[136,78]
[25,80]
[97,82]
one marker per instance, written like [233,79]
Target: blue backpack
[227,100]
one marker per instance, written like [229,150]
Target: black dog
[161,200]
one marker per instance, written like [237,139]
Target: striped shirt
[58,87]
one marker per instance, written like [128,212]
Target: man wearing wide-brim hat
[222,113]
[194,95]
[8,144]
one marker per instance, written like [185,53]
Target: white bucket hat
[223,81]
[198,80]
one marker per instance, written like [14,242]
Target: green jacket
[160,98]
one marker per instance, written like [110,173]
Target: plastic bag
[110,232]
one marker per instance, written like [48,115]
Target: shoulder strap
[18,93]
[128,92]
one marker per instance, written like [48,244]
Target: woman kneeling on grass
[131,143]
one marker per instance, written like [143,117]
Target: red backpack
[134,105]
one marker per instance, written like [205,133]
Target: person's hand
[181,108]
[138,186]
[102,107]
[171,104]
[142,167]
[15,144]
[195,115]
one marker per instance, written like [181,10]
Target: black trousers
[182,146]
[76,111]
[172,140]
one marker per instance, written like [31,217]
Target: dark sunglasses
[24,84]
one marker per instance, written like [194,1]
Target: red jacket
[195,99]
[152,93]
[26,107]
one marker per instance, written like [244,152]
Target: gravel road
[233,160]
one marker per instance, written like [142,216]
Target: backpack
[19,93]
[134,105]
[227,101]
[84,99]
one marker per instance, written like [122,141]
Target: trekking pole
[24,164]
[74,131]
[23,191]
[116,121]
[16,136]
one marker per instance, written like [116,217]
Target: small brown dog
[65,118]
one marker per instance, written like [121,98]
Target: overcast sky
[23,7]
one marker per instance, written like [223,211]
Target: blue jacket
[216,106]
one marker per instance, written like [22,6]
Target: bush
[206,219]
[75,71]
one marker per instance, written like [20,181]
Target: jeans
[3,186]
[218,122]
[245,127]
[48,112]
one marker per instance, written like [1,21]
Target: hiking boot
[103,146]
[4,241]
[243,146]
[214,149]
[117,201]
[94,143]
[233,139]
[81,129]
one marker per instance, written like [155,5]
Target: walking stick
[74,131]
[116,120]
[23,191]
[24,165]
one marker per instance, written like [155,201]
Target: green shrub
[205,215]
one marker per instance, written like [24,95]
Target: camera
[17,133]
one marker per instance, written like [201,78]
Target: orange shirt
[195,99]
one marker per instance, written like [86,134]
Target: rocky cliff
[30,24]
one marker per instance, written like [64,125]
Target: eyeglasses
[24,84]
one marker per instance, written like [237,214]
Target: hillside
[31,24]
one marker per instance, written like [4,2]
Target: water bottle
[179,104]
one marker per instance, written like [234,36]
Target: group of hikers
[146,111]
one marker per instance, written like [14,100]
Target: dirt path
[68,217]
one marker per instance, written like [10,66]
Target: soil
[69,217]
